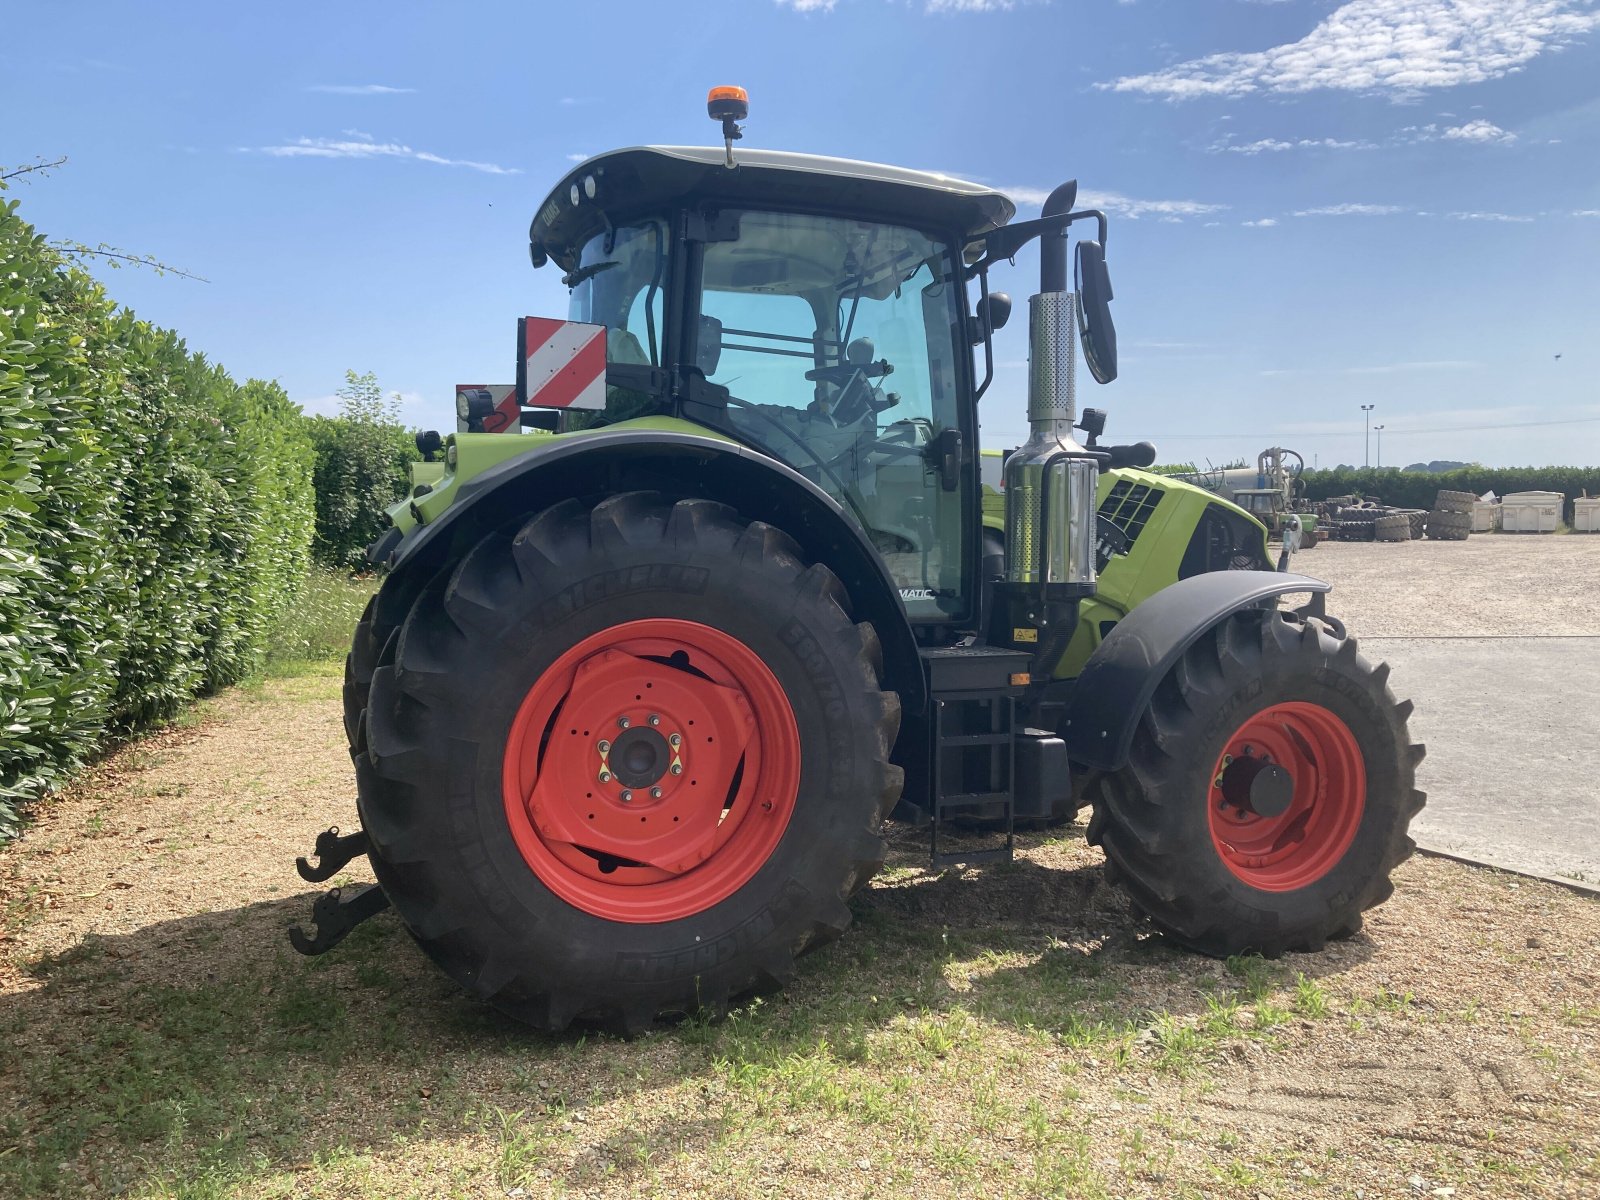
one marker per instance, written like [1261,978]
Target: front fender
[1116,684]
[608,461]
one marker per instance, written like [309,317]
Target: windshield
[836,342]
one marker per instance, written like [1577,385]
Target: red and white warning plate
[561,364]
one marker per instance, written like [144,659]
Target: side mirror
[1098,332]
[994,310]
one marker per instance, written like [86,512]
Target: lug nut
[605,776]
[677,768]
[654,720]
[622,722]
[604,746]
[626,795]
[655,793]
[675,741]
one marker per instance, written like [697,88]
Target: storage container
[1485,516]
[1586,515]
[1531,512]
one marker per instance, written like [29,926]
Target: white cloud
[1443,364]
[1398,46]
[1120,205]
[1479,131]
[1448,364]
[932,6]
[1586,212]
[1488,216]
[1351,210]
[1263,223]
[1278,145]
[359,89]
[576,157]
[359,134]
[329,148]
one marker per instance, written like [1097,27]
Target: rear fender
[681,464]
[1116,684]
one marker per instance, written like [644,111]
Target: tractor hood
[623,183]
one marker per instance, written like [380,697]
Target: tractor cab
[811,308]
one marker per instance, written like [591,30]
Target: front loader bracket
[334,852]
[335,914]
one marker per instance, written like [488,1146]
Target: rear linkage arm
[334,851]
[336,913]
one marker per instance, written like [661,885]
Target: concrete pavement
[1512,726]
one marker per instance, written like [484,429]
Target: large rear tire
[630,759]
[1179,824]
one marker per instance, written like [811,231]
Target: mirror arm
[1003,243]
[988,339]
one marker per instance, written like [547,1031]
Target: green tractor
[718,589]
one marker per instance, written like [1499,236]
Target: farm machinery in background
[650,669]
[1271,493]
[1274,494]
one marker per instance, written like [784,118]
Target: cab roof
[643,179]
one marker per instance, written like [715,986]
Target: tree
[360,470]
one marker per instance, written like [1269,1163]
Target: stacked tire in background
[1355,523]
[1451,518]
[1395,527]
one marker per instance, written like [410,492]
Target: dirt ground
[1008,1031]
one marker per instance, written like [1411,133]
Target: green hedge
[155,518]
[1417,489]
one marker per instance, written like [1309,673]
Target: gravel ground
[1489,585]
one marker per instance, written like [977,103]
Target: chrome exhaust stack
[1050,480]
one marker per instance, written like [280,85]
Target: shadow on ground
[203,1048]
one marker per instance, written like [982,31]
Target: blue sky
[1314,204]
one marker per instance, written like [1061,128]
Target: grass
[317,627]
[993,1032]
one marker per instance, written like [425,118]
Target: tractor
[671,627]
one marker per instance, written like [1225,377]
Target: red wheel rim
[651,770]
[1298,846]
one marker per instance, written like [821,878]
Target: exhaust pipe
[1050,480]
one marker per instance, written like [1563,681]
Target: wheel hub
[640,756]
[1257,786]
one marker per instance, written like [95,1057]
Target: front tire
[1268,792]
[629,759]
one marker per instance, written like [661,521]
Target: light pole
[1366,410]
[1378,429]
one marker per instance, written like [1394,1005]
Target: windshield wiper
[579,274]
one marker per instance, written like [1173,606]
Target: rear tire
[479,765]
[1224,880]
[1456,502]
